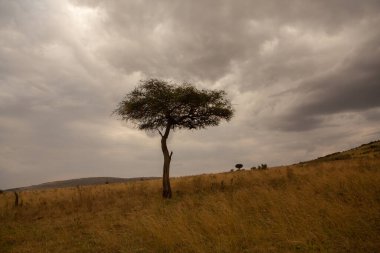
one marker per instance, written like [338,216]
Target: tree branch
[171,153]
[160,132]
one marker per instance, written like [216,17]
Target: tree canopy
[156,104]
[162,106]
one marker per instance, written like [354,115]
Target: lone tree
[239,166]
[156,105]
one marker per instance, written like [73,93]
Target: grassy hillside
[369,150]
[321,206]
[80,182]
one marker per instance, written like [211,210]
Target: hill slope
[365,151]
[328,205]
[80,182]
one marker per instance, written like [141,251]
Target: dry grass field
[320,206]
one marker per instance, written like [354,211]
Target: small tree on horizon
[156,105]
[239,166]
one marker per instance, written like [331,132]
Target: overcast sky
[303,76]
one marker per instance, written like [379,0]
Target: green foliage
[156,104]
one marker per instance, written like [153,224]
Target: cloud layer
[303,76]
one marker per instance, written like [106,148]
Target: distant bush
[239,166]
[263,166]
[17,198]
[232,170]
[253,168]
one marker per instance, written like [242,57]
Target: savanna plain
[331,204]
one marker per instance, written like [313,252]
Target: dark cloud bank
[303,76]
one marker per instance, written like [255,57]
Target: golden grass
[324,207]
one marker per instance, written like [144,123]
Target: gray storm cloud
[303,77]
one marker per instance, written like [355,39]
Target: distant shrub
[263,166]
[253,168]
[232,170]
[239,166]
[17,203]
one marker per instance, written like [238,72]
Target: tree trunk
[166,189]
